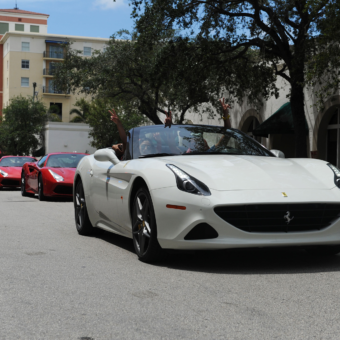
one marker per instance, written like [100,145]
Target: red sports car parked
[51,176]
[10,170]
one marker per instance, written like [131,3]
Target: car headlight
[336,174]
[188,183]
[3,173]
[57,177]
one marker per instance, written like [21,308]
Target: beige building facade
[30,57]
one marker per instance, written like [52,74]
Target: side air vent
[202,231]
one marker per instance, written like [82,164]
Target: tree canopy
[286,35]
[104,132]
[22,124]
[164,73]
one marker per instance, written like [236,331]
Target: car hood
[12,171]
[233,172]
[66,173]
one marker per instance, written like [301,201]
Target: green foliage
[53,114]
[23,121]
[104,132]
[166,74]
[82,113]
[323,68]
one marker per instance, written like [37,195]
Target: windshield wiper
[158,155]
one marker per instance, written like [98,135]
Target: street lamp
[34,86]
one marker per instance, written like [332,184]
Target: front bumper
[57,189]
[10,182]
[173,225]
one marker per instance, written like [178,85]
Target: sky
[89,18]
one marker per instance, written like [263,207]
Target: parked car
[51,176]
[205,187]
[10,170]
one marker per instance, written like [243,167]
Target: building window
[25,46]
[87,51]
[7,64]
[7,82]
[25,64]
[20,27]
[34,29]
[4,27]
[25,82]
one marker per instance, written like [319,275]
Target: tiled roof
[19,11]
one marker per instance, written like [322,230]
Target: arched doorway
[333,139]
[328,136]
[249,125]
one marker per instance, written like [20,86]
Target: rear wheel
[144,230]
[83,224]
[323,250]
[41,195]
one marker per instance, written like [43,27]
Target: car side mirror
[106,155]
[278,153]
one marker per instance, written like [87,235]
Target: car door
[33,175]
[102,193]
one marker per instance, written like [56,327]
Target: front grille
[270,218]
[63,190]
[10,182]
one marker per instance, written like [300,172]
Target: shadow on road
[237,261]
[116,240]
[252,261]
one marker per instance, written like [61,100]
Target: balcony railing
[53,90]
[54,54]
[48,71]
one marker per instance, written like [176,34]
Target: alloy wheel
[141,229]
[80,206]
[22,185]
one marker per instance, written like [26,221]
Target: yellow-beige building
[30,55]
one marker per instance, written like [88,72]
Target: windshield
[64,160]
[16,161]
[189,140]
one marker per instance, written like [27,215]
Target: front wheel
[144,230]
[23,186]
[41,195]
[83,223]
[323,250]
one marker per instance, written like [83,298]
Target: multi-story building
[30,55]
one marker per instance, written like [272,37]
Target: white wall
[68,137]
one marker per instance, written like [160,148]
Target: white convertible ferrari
[205,187]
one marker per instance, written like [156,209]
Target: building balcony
[53,91]
[48,72]
[53,55]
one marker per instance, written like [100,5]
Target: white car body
[233,180]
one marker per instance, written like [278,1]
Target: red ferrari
[10,170]
[51,176]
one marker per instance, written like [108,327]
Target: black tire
[22,187]
[83,223]
[144,228]
[41,195]
[323,250]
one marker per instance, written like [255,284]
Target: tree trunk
[299,119]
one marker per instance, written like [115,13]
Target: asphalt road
[56,284]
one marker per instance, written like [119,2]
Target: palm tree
[82,113]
